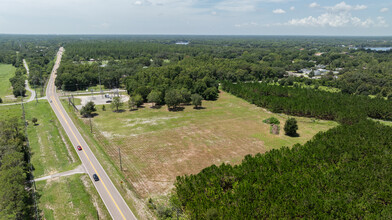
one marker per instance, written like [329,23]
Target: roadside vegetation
[110,165]
[70,197]
[16,198]
[52,153]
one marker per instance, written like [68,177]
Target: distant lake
[378,48]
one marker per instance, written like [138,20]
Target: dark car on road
[95,177]
[79,147]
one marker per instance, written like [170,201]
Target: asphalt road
[113,200]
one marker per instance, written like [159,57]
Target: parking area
[99,99]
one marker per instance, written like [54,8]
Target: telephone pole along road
[113,200]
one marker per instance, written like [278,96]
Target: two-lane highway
[113,200]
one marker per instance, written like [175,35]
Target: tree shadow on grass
[94,114]
[156,107]
[119,111]
[293,135]
[176,109]
[199,108]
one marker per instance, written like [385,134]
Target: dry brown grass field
[157,145]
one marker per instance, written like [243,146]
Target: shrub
[211,93]
[291,127]
[272,120]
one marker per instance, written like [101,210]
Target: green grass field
[71,197]
[52,152]
[6,72]
[158,145]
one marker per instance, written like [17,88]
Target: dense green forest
[138,60]
[39,52]
[342,173]
[15,198]
[308,102]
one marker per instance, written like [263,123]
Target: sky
[197,17]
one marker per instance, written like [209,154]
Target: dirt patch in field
[157,146]
[153,160]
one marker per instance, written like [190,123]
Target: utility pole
[100,88]
[119,153]
[36,95]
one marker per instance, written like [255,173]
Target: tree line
[306,102]
[341,173]
[116,60]
[16,200]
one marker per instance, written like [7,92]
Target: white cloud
[381,22]
[327,19]
[384,10]
[236,6]
[314,5]
[292,8]
[338,15]
[247,24]
[279,11]
[342,6]
[138,3]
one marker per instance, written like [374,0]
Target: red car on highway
[79,148]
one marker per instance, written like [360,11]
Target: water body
[379,48]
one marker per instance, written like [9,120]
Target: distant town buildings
[182,43]
[318,71]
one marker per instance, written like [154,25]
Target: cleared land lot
[59,198]
[158,145]
[6,72]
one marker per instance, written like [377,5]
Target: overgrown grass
[52,152]
[7,71]
[158,145]
[70,197]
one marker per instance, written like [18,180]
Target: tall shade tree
[132,103]
[196,100]
[186,95]
[138,100]
[173,98]
[155,97]
[88,109]
[116,104]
